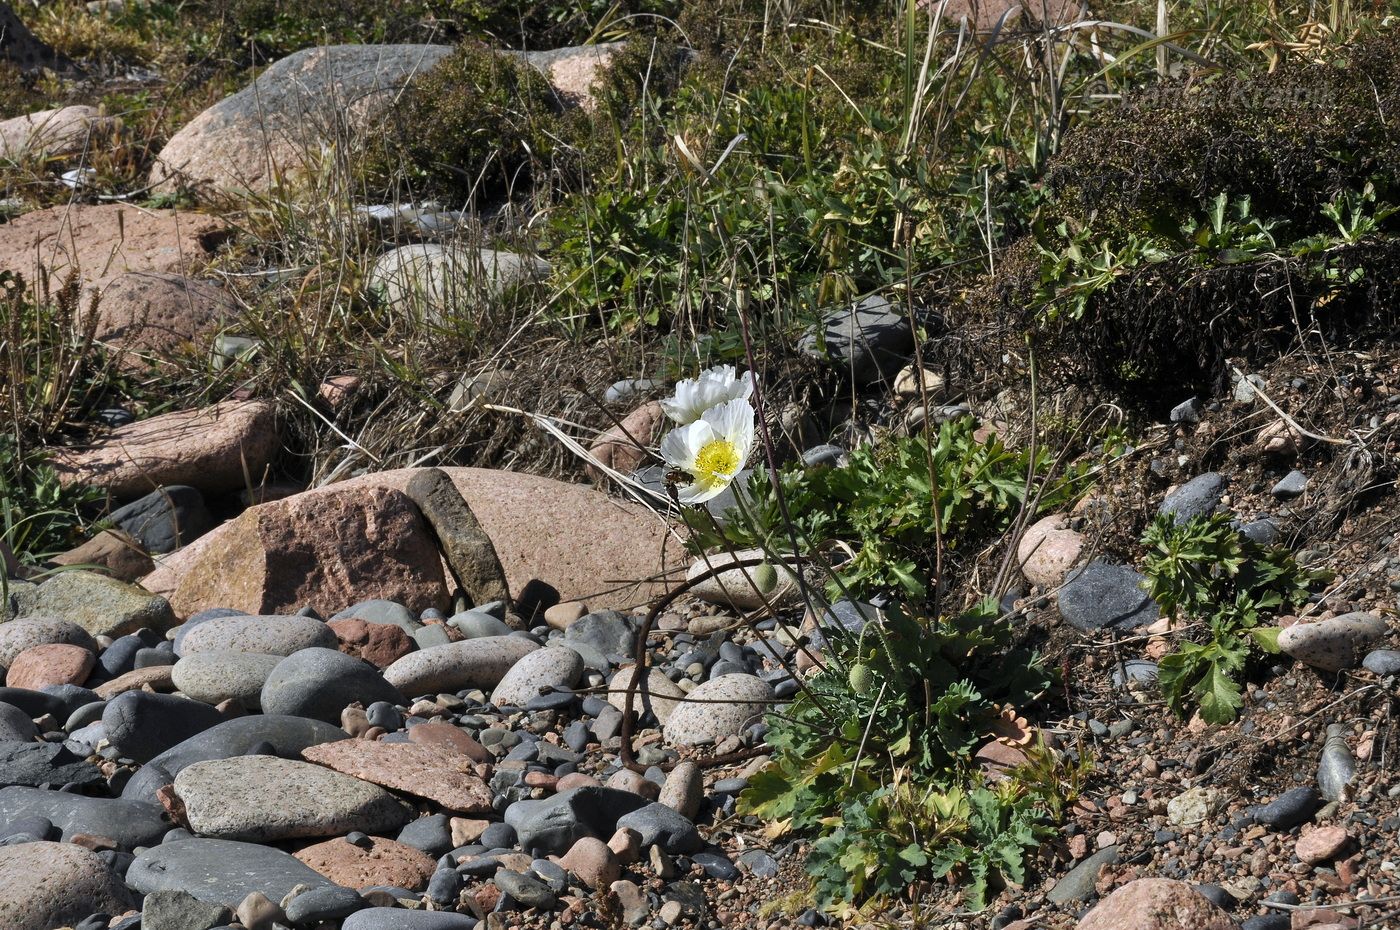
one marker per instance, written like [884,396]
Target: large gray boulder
[247,141]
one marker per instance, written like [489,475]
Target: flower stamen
[716,461]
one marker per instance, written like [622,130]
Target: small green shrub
[38,516]
[1206,571]
[874,759]
[478,124]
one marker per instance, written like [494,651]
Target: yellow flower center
[717,461]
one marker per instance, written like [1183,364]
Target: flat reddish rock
[214,449]
[425,771]
[52,664]
[343,545]
[385,862]
[380,644]
[446,736]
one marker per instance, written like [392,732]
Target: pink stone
[52,664]
[1322,845]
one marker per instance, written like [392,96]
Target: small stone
[474,663]
[380,644]
[1188,411]
[1383,662]
[1335,644]
[593,862]
[635,909]
[315,906]
[1322,845]
[537,673]
[1289,809]
[1198,497]
[39,667]
[379,862]
[746,588]
[1292,485]
[1049,549]
[684,789]
[560,616]
[268,635]
[719,708]
[655,693]
[626,845]
[449,737]
[215,677]
[1194,806]
[635,782]
[526,889]
[177,910]
[1102,595]
[45,885]
[258,912]
[434,772]
[1156,904]
[661,826]
[17,636]
[319,683]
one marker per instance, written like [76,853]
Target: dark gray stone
[716,865]
[128,823]
[607,632]
[1188,411]
[445,885]
[468,551]
[1196,498]
[1268,922]
[16,725]
[221,871]
[36,703]
[320,683]
[1383,662]
[1264,531]
[431,834]
[1102,595]
[36,827]
[869,340]
[526,890]
[554,824]
[322,904]
[1139,671]
[38,764]
[142,724]
[288,736]
[165,519]
[759,863]
[1290,486]
[120,657]
[1289,809]
[825,456]
[1078,883]
[498,836]
[662,826]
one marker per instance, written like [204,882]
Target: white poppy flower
[711,450]
[696,395]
